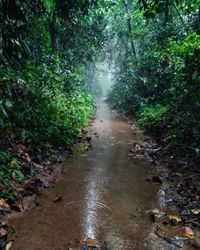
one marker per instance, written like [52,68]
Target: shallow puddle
[100,196]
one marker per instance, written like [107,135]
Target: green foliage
[16,18]
[152,117]
[10,166]
[45,100]
[50,107]
[153,7]
[161,85]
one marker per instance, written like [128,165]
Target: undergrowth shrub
[10,169]
[46,105]
[164,93]
[42,107]
[152,117]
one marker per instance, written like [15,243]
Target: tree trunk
[53,32]
[166,13]
[180,17]
[130,28]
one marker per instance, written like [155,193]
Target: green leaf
[19,175]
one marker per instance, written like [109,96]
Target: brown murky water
[103,192]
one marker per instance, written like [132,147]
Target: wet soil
[101,196]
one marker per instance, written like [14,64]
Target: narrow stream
[103,193]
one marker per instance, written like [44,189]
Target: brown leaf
[38,165]
[156,214]
[84,131]
[12,164]
[89,242]
[58,198]
[13,175]
[188,233]
[22,147]
[28,158]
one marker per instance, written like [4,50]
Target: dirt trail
[100,195]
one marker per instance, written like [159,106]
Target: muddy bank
[179,194]
[25,194]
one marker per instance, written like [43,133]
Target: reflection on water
[92,199]
[94,206]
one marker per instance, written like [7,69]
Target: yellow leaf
[4,204]
[9,246]
[176,218]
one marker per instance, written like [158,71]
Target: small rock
[196,211]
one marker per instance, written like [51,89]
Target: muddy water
[102,195]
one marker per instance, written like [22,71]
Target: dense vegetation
[45,100]
[157,54]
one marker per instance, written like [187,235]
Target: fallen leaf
[3,232]
[156,214]
[89,243]
[155,211]
[59,198]
[12,164]
[4,204]
[27,157]
[22,147]
[196,211]
[84,131]
[188,233]
[13,175]
[9,246]
[175,218]
[38,165]
[178,174]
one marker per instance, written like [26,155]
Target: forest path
[103,192]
